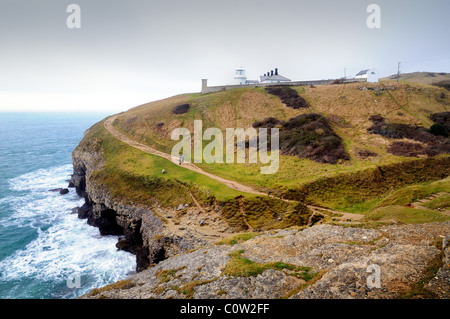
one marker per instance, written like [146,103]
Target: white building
[273,77]
[370,74]
[240,77]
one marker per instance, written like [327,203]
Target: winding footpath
[108,124]
[147,149]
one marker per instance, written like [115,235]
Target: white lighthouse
[240,77]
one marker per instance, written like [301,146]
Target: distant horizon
[115,112]
[113,55]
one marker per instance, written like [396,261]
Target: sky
[128,53]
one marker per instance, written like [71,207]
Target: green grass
[166,275]
[237,239]
[243,267]
[188,289]
[365,188]
[405,215]
[265,213]
[360,208]
[414,193]
[292,171]
[440,203]
[138,176]
[418,290]
[120,285]
[132,175]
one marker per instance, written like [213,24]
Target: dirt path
[231,184]
[419,204]
[342,216]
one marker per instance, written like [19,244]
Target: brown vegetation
[181,109]
[442,118]
[432,144]
[288,96]
[409,149]
[308,136]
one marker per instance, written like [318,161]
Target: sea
[46,252]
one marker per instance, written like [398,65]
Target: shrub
[269,123]
[438,130]
[181,109]
[366,153]
[131,120]
[308,136]
[376,118]
[338,121]
[444,84]
[442,118]
[408,149]
[338,81]
[399,130]
[288,96]
[434,144]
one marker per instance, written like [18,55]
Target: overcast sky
[131,52]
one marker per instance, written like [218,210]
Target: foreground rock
[322,261]
[440,284]
[62,191]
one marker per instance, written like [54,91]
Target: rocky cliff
[322,261]
[149,231]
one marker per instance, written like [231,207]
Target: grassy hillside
[420,77]
[348,109]
[132,176]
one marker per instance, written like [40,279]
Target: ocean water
[45,251]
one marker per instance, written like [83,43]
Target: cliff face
[102,211]
[150,232]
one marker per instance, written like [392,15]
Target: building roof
[362,72]
[275,78]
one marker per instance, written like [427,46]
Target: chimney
[271,73]
[276,71]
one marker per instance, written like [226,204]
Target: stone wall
[211,89]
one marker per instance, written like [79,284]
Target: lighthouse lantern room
[240,77]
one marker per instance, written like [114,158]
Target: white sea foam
[42,179]
[65,244]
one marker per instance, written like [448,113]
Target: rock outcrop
[322,261]
[150,232]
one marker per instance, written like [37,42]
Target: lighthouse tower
[240,77]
